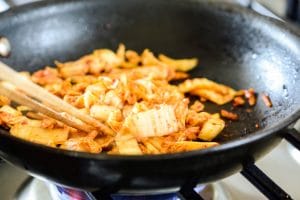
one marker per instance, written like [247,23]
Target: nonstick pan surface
[235,46]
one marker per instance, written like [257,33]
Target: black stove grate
[293,137]
[263,183]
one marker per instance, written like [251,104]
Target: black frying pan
[234,45]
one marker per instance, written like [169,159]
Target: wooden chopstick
[12,93]
[39,93]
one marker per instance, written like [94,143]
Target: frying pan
[235,46]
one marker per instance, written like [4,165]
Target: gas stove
[280,164]
[48,191]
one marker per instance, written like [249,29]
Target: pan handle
[5,47]
[6,4]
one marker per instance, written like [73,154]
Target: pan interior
[234,48]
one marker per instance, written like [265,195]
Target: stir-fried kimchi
[132,94]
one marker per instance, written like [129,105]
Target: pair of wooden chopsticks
[45,102]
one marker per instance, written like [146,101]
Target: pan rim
[224,147]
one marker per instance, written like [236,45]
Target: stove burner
[35,189]
[58,192]
[61,193]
